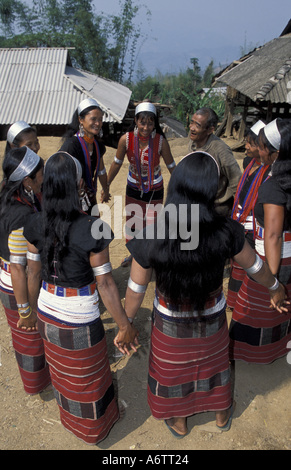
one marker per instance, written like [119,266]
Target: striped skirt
[236,278]
[141,211]
[189,368]
[81,377]
[28,346]
[258,333]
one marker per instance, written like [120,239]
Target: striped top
[17,243]
[144,169]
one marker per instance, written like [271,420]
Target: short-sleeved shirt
[141,248]
[74,148]
[83,238]
[269,193]
[12,221]
[230,172]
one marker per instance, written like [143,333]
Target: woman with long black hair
[189,368]
[70,253]
[23,176]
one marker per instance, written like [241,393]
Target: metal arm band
[171,165]
[275,285]
[138,288]
[256,267]
[18,260]
[23,305]
[102,172]
[104,269]
[33,256]
[119,162]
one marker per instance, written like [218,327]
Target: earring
[81,130]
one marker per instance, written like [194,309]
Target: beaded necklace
[92,184]
[137,139]
[240,214]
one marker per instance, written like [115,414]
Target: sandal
[174,433]
[227,426]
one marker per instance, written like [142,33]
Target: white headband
[272,134]
[78,168]
[87,103]
[257,127]
[15,129]
[26,166]
[77,163]
[205,153]
[146,107]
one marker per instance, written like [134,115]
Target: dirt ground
[262,419]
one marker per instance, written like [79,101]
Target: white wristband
[18,260]
[119,162]
[33,256]
[256,267]
[275,285]
[104,269]
[137,288]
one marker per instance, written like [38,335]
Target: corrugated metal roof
[39,86]
[263,74]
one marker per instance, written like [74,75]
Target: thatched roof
[263,75]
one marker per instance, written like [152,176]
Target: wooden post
[231,107]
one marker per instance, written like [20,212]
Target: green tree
[181,91]
[105,45]
[208,75]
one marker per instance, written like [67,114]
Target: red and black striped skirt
[236,278]
[258,333]
[28,346]
[189,369]
[81,377]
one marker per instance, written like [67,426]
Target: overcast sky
[206,29]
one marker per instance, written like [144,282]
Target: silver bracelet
[137,288]
[33,256]
[171,165]
[275,285]
[23,305]
[18,260]
[256,267]
[119,162]
[104,269]
[102,172]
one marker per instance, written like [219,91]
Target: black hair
[12,189]
[60,206]
[212,118]
[252,136]
[74,125]
[189,276]
[154,117]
